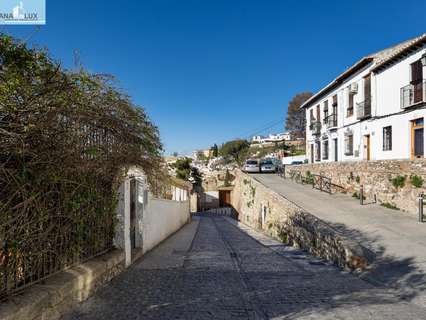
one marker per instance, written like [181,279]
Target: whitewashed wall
[161,219]
[289,160]
[386,111]
[154,220]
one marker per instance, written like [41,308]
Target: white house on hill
[272,138]
[374,110]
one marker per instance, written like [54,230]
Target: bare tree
[296,119]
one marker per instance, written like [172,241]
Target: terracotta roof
[380,59]
[385,57]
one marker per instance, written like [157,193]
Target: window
[416,72]
[325,111]
[318,113]
[325,149]
[350,110]
[318,151]
[335,105]
[349,145]
[387,138]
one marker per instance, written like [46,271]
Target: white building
[272,138]
[374,110]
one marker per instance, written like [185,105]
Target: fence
[317,181]
[225,211]
[51,246]
[47,226]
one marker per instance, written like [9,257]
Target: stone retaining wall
[56,295]
[377,177]
[266,210]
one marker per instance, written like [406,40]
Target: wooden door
[417,81]
[367,147]
[224,198]
[367,95]
[417,138]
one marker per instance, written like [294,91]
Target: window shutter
[416,72]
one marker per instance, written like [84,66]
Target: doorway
[367,147]
[224,198]
[335,150]
[417,138]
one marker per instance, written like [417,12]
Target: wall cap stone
[357,257]
[52,297]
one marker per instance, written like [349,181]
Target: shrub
[389,205]
[283,236]
[357,179]
[416,181]
[309,177]
[398,181]
[65,139]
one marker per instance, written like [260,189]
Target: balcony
[363,109]
[331,121]
[413,94]
[315,127]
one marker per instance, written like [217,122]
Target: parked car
[251,165]
[268,166]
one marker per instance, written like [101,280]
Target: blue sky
[207,71]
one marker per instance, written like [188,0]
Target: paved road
[229,271]
[396,237]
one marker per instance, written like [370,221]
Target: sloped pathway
[216,268]
[396,238]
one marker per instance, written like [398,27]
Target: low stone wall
[56,295]
[264,209]
[379,178]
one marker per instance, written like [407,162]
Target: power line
[266,128]
[273,122]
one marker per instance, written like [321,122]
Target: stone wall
[56,295]
[264,209]
[378,178]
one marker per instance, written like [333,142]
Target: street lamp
[423,59]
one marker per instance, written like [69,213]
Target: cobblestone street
[232,272]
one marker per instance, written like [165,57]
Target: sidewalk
[396,238]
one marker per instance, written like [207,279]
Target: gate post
[361,195]
[421,203]
[127,241]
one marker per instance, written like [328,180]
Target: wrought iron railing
[413,94]
[315,127]
[317,181]
[24,261]
[363,109]
[331,121]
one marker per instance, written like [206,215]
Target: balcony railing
[315,127]
[331,121]
[413,94]
[363,109]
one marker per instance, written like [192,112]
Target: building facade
[375,110]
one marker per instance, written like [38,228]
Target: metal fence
[55,245]
[39,242]
[317,181]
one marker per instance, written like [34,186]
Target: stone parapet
[264,209]
[393,183]
[50,299]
